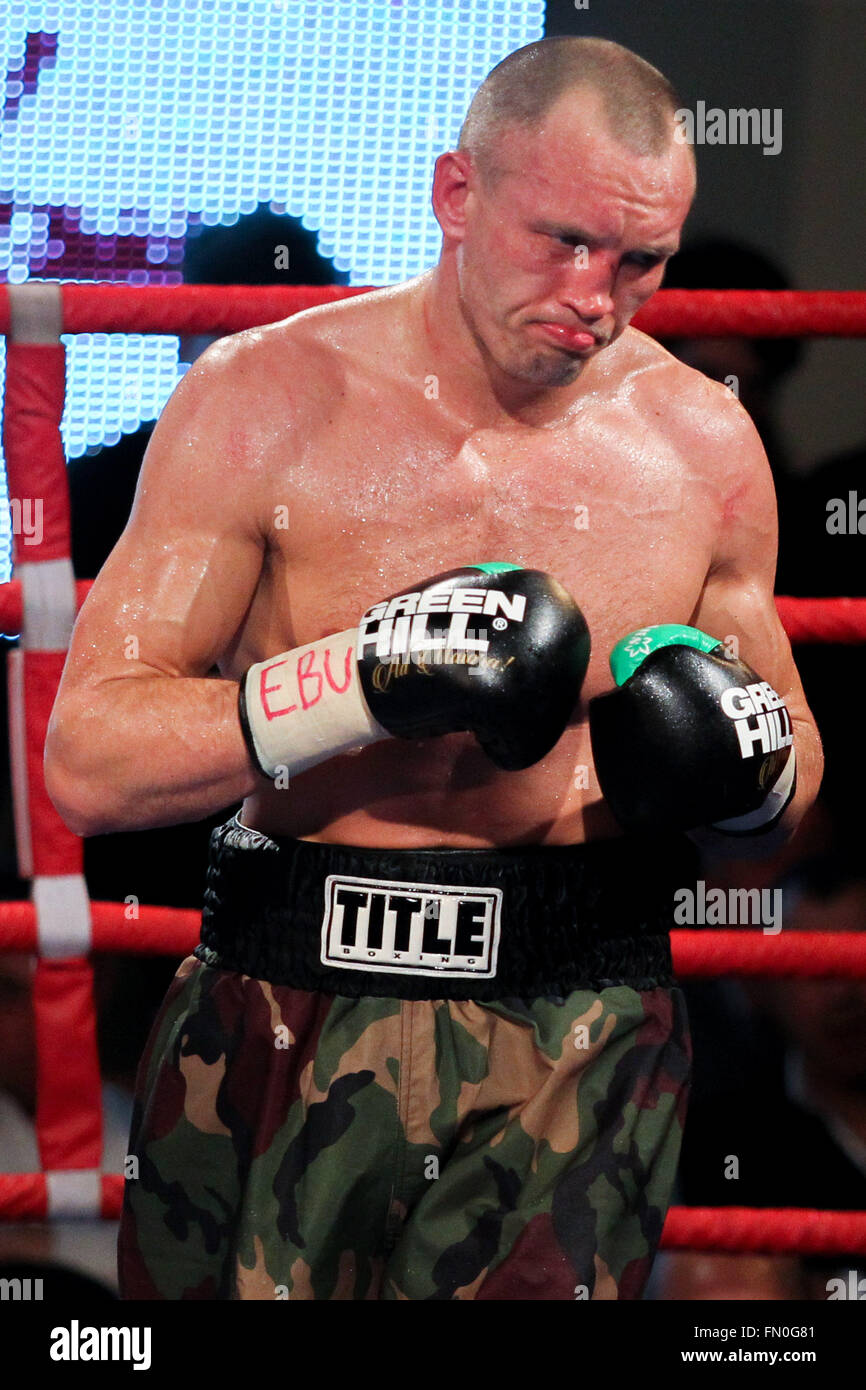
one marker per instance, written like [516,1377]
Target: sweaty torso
[383,485]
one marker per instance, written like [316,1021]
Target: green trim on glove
[631,651]
[495,567]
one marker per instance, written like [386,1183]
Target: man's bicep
[737,602]
[175,589]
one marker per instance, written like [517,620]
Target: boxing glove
[691,737]
[493,649]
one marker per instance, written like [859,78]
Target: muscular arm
[139,735]
[737,602]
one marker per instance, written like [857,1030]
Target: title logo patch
[410,928]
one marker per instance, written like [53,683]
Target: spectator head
[825,1019]
[262,248]
[758,364]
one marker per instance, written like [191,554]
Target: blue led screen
[127,126]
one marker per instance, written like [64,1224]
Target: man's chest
[610,507]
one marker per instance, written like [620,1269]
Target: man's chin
[546,371]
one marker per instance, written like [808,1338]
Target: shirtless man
[307,1127]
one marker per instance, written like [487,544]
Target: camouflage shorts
[302,1144]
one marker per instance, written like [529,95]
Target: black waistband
[442,923]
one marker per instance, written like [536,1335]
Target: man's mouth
[573,339]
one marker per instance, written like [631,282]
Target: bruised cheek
[510,274]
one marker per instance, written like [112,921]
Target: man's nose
[588,289]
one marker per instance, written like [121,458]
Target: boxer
[430,1045]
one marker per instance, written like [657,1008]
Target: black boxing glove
[495,650]
[691,738]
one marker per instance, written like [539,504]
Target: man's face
[568,244]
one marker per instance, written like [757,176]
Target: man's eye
[644,260]
[562,239]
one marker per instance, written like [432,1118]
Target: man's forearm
[810,770]
[146,751]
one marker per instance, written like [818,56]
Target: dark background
[804,207]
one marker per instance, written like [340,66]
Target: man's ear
[451,184]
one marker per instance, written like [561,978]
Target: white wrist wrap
[770,808]
[306,705]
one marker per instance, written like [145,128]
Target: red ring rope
[146,930]
[773,1230]
[230,308]
[770,1230]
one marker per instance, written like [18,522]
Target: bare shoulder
[252,403]
[718,444]
[703,416]
[290,367]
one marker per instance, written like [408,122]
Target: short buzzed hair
[638,101]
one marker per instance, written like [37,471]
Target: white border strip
[48,604]
[35,312]
[63,922]
[76,1194]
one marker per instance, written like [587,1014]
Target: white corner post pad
[770,808]
[63,921]
[75,1194]
[49,606]
[304,706]
[35,312]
